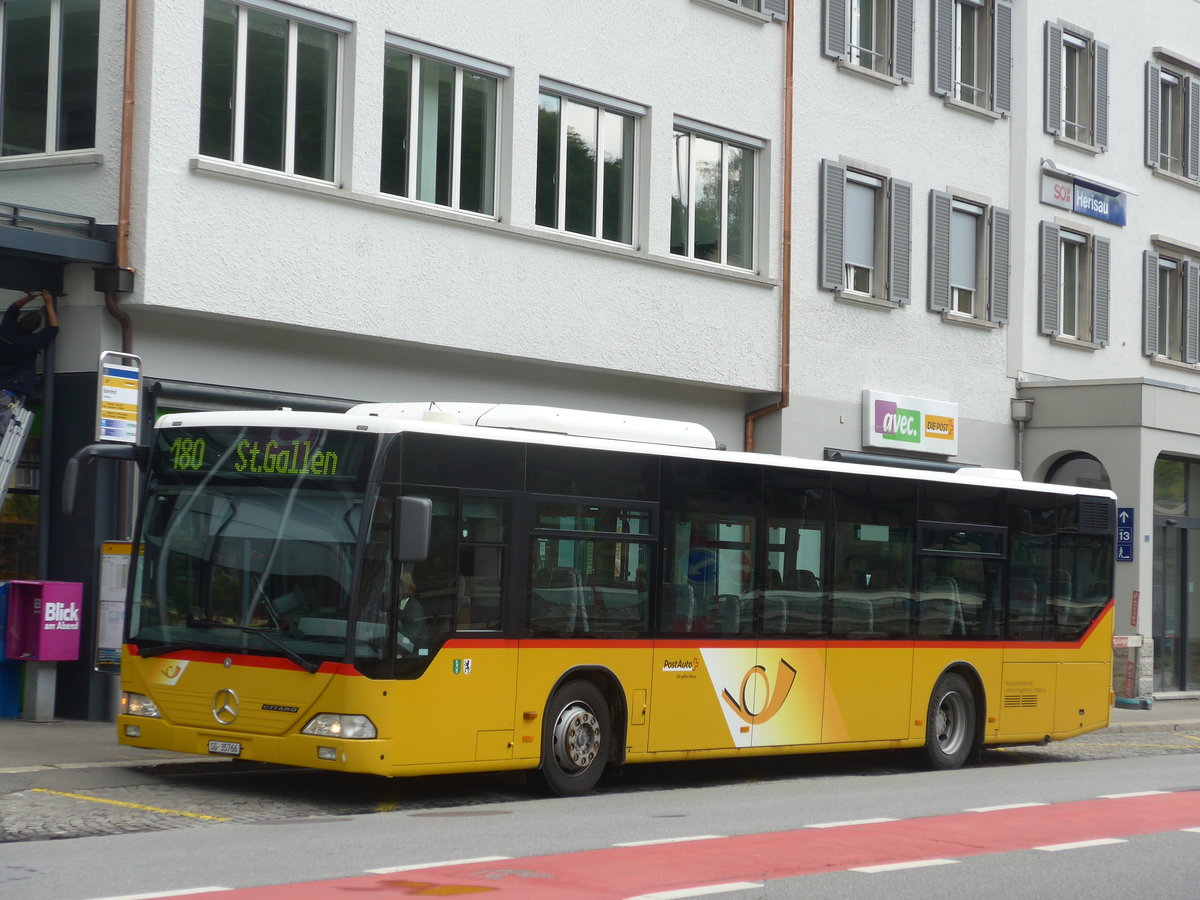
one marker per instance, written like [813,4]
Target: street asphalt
[27,746]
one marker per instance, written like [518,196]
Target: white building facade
[981,202]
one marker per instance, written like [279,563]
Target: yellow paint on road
[144,808]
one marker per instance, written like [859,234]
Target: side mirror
[413,526]
[84,455]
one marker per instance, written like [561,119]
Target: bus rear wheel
[576,739]
[950,726]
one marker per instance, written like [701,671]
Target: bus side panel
[686,707]
[1082,703]
[867,691]
[543,666]
[783,697]
[934,659]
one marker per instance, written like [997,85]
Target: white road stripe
[850,822]
[1079,845]
[1005,806]
[911,864]
[705,891]
[1131,794]
[676,840]
[1192,830]
[435,865]
[183,893]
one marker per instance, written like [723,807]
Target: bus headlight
[338,725]
[138,705]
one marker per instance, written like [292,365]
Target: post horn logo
[784,678]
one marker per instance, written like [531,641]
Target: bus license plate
[225,748]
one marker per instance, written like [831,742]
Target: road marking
[706,891]
[1005,806]
[1192,830]
[183,893]
[1131,794]
[435,865]
[676,840]
[1079,845]
[142,807]
[851,822]
[911,864]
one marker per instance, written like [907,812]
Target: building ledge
[51,160]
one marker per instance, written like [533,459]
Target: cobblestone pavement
[81,802]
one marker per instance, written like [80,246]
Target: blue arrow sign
[1125,533]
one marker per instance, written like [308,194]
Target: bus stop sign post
[1125,531]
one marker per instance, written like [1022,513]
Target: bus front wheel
[576,739]
[950,727]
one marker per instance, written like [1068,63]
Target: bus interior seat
[940,609]
[678,608]
[802,580]
[558,603]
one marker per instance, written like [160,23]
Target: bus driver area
[585,590]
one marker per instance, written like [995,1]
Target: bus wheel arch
[954,721]
[580,730]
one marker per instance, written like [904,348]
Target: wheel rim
[576,738]
[950,723]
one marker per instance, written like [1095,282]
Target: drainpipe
[785,282]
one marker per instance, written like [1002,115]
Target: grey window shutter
[942,56]
[900,242]
[941,206]
[1192,150]
[1191,312]
[837,40]
[902,40]
[1153,99]
[1150,303]
[1000,239]
[1048,279]
[777,8]
[1101,251]
[1100,95]
[1002,58]
[1054,78]
[833,223]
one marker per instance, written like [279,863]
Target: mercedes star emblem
[225,706]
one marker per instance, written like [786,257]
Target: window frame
[1092,267]
[892,239]
[420,54]
[993,54]
[54,128]
[605,107]
[896,53]
[1179,340]
[754,147]
[1182,158]
[1090,89]
[294,17]
[992,257]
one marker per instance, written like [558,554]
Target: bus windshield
[249,540]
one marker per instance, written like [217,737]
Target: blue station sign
[1125,532]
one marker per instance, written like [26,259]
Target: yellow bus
[411,589]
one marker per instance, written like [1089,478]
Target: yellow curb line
[157,809]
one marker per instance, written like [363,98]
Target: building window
[1073,290]
[866,229]
[48,56]
[968,258]
[269,86]
[1172,121]
[586,163]
[712,196]
[440,120]
[1171,307]
[876,35]
[1076,86]
[972,52]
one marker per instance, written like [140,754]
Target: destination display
[262,453]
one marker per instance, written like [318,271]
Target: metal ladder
[11,444]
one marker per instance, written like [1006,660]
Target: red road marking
[620,872]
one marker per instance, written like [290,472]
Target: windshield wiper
[306,665]
[147,652]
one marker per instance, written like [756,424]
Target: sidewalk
[32,746]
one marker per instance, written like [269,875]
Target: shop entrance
[1176,599]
